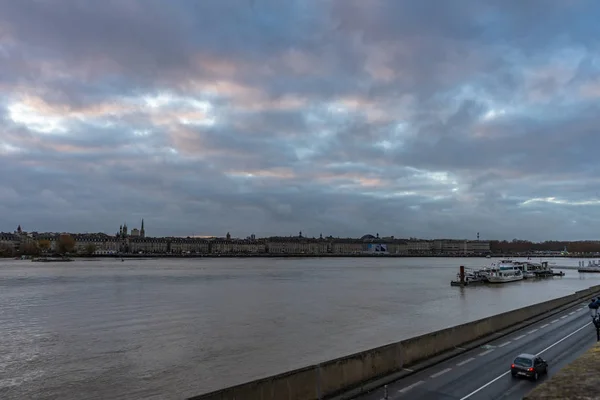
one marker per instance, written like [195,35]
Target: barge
[505,271]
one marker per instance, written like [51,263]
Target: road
[484,373]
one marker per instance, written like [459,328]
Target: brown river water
[169,329]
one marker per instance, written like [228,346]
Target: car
[528,366]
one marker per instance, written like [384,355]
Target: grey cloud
[434,68]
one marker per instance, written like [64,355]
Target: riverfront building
[136,242]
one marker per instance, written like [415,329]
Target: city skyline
[133,231]
[427,119]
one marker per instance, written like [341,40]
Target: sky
[424,118]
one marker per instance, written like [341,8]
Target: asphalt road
[484,373]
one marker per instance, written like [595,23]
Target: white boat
[505,271]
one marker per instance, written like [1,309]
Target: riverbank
[323,255]
[578,380]
[361,372]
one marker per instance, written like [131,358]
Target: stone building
[347,246]
[460,247]
[188,245]
[417,247]
[146,245]
[8,241]
[100,242]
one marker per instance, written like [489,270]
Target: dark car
[529,366]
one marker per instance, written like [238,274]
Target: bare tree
[6,250]
[90,248]
[29,249]
[66,243]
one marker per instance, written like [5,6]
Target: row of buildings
[126,243]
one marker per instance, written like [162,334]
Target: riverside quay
[136,242]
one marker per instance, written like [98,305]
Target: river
[172,328]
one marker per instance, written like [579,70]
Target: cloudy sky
[424,118]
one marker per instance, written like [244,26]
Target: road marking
[409,370]
[564,316]
[406,389]
[504,344]
[566,337]
[460,348]
[532,331]
[441,373]
[519,337]
[464,362]
[572,312]
[543,326]
[486,352]
[554,321]
[508,372]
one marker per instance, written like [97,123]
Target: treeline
[65,245]
[524,246]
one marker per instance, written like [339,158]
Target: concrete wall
[333,377]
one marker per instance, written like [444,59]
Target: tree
[44,244]
[66,243]
[29,249]
[6,250]
[90,248]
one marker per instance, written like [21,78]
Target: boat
[472,277]
[506,271]
[589,269]
[51,259]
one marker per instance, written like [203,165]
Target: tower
[478,236]
[142,231]
[125,229]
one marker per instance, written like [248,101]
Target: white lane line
[406,389]
[572,312]
[564,316]
[504,344]
[554,321]
[486,385]
[566,337]
[543,326]
[532,331]
[519,337]
[486,352]
[464,362]
[441,373]
[460,348]
[409,370]
[508,372]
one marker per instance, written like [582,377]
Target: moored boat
[506,271]
[471,277]
[51,259]
[589,269]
